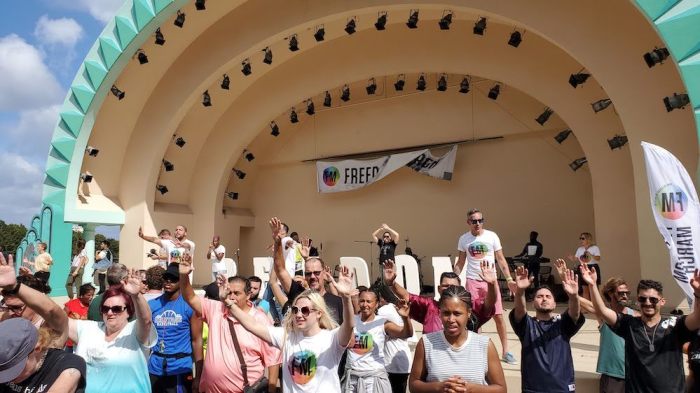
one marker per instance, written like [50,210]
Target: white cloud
[102,10]
[26,82]
[20,188]
[64,31]
[31,134]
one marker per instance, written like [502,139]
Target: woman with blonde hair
[588,252]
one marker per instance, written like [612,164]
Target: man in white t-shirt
[474,247]
[176,248]
[216,254]
[293,258]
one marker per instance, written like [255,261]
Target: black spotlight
[445,21]
[577,163]
[464,86]
[442,83]
[86,177]
[268,55]
[561,137]
[350,26]
[179,19]
[275,130]
[601,104]
[180,142]
[420,85]
[199,5]
[327,100]
[320,34]
[232,195]
[676,101]
[578,79]
[541,119]
[412,22]
[310,107]
[371,86]
[160,39]
[293,117]
[381,21]
[345,95]
[617,142]
[206,98]
[515,39]
[495,91]
[400,83]
[249,156]
[162,189]
[293,43]
[117,93]
[239,173]
[246,68]
[480,26]
[169,167]
[141,55]
[91,151]
[226,82]
[656,56]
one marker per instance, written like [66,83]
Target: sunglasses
[581,238]
[477,221]
[651,299]
[14,309]
[310,273]
[622,293]
[113,309]
[305,311]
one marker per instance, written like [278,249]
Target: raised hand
[570,283]
[488,272]
[589,276]
[276,229]
[222,283]
[305,246]
[8,280]
[185,267]
[522,278]
[403,307]
[141,232]
[560,267]
[345,284]
[695,283]
[389,272]
[327,275]
[132,282]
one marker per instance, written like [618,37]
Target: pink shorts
[479,291]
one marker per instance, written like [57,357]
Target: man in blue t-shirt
[547,365]
[179,339]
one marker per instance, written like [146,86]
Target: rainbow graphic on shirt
[478,250]
[363,343]
[585,257]
[302,366]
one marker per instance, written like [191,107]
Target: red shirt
[76,310]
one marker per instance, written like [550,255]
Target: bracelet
[12,291]
[509,279]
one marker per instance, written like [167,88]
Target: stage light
[400,83]
[442,83]
[91,151]
[169,167]
[381,21]
[310,107]
[275,130]
[515,39]
[180,142]
[246,68]
[141,55]
[232,195]
[601,104]
[561,136]
[206,98]
[162,189]
[577,163]
[180,19]
[239,173]
[464,86]
[320,34]
[656,56]
[86,177]
[160,39]
[578,79]
[541,119]
[617,142]
[412,22]
[350,26]
[480,26]
[248,155]
[199,5]
[293,43]
[676,101]
[226,82]
[345,96]
[117,93]
[420,85]
[371,86]
[293,117]
[327,100]
[446,20]
[495,91]
[268,55]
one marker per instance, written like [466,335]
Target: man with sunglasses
[387,244]
[653,346]
[475,246]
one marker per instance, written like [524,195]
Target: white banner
[677,212]
[346,175]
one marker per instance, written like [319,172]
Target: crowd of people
[312,330]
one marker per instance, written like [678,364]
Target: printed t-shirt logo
[302,366]
[478,250]
[168,318]
[585,257]
[331,176]
[364,343]
[671,202]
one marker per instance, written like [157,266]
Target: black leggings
[398,382]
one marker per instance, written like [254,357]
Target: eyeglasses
[305,311]
[308,273]
[113,309]
[14,309]
[651,299]
[581,238]
[477,221]
[622,293]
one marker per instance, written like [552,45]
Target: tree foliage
[11,235]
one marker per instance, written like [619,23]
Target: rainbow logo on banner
[302,366]
[331,175]
[671,202]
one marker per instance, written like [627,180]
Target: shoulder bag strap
[236,345]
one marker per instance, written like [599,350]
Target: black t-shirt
[655,367]
[386,250]
[55,363]
[547,365]
[334,303]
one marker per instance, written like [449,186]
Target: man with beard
[255,285]
[547,365]
[180,339]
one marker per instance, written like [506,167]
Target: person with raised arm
[387,244]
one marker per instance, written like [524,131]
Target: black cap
[173,271]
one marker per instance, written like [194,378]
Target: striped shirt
[469,361]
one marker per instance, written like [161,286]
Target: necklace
[653,336]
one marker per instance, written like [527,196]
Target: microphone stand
[371,256]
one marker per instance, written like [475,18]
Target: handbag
[260,386]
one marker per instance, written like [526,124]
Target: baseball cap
[18,337]
[173,270]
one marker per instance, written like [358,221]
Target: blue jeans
[275,308]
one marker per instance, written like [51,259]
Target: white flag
[674,202]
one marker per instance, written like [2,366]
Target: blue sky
[42,44]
